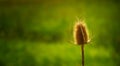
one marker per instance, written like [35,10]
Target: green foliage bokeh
[39,32]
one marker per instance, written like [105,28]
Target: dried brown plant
[81,36]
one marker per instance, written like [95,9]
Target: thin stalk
[82,49]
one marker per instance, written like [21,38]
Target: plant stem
[82,49]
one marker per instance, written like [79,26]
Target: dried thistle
[81,36]
[80,32]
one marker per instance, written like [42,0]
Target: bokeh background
[39,32]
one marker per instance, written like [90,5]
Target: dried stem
[82,49]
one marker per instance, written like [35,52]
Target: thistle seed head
[80,33]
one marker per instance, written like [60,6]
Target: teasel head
[80,33]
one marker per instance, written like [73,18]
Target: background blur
[39,32]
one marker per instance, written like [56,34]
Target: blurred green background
[39,32]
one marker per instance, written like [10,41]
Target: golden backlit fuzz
[80,33]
